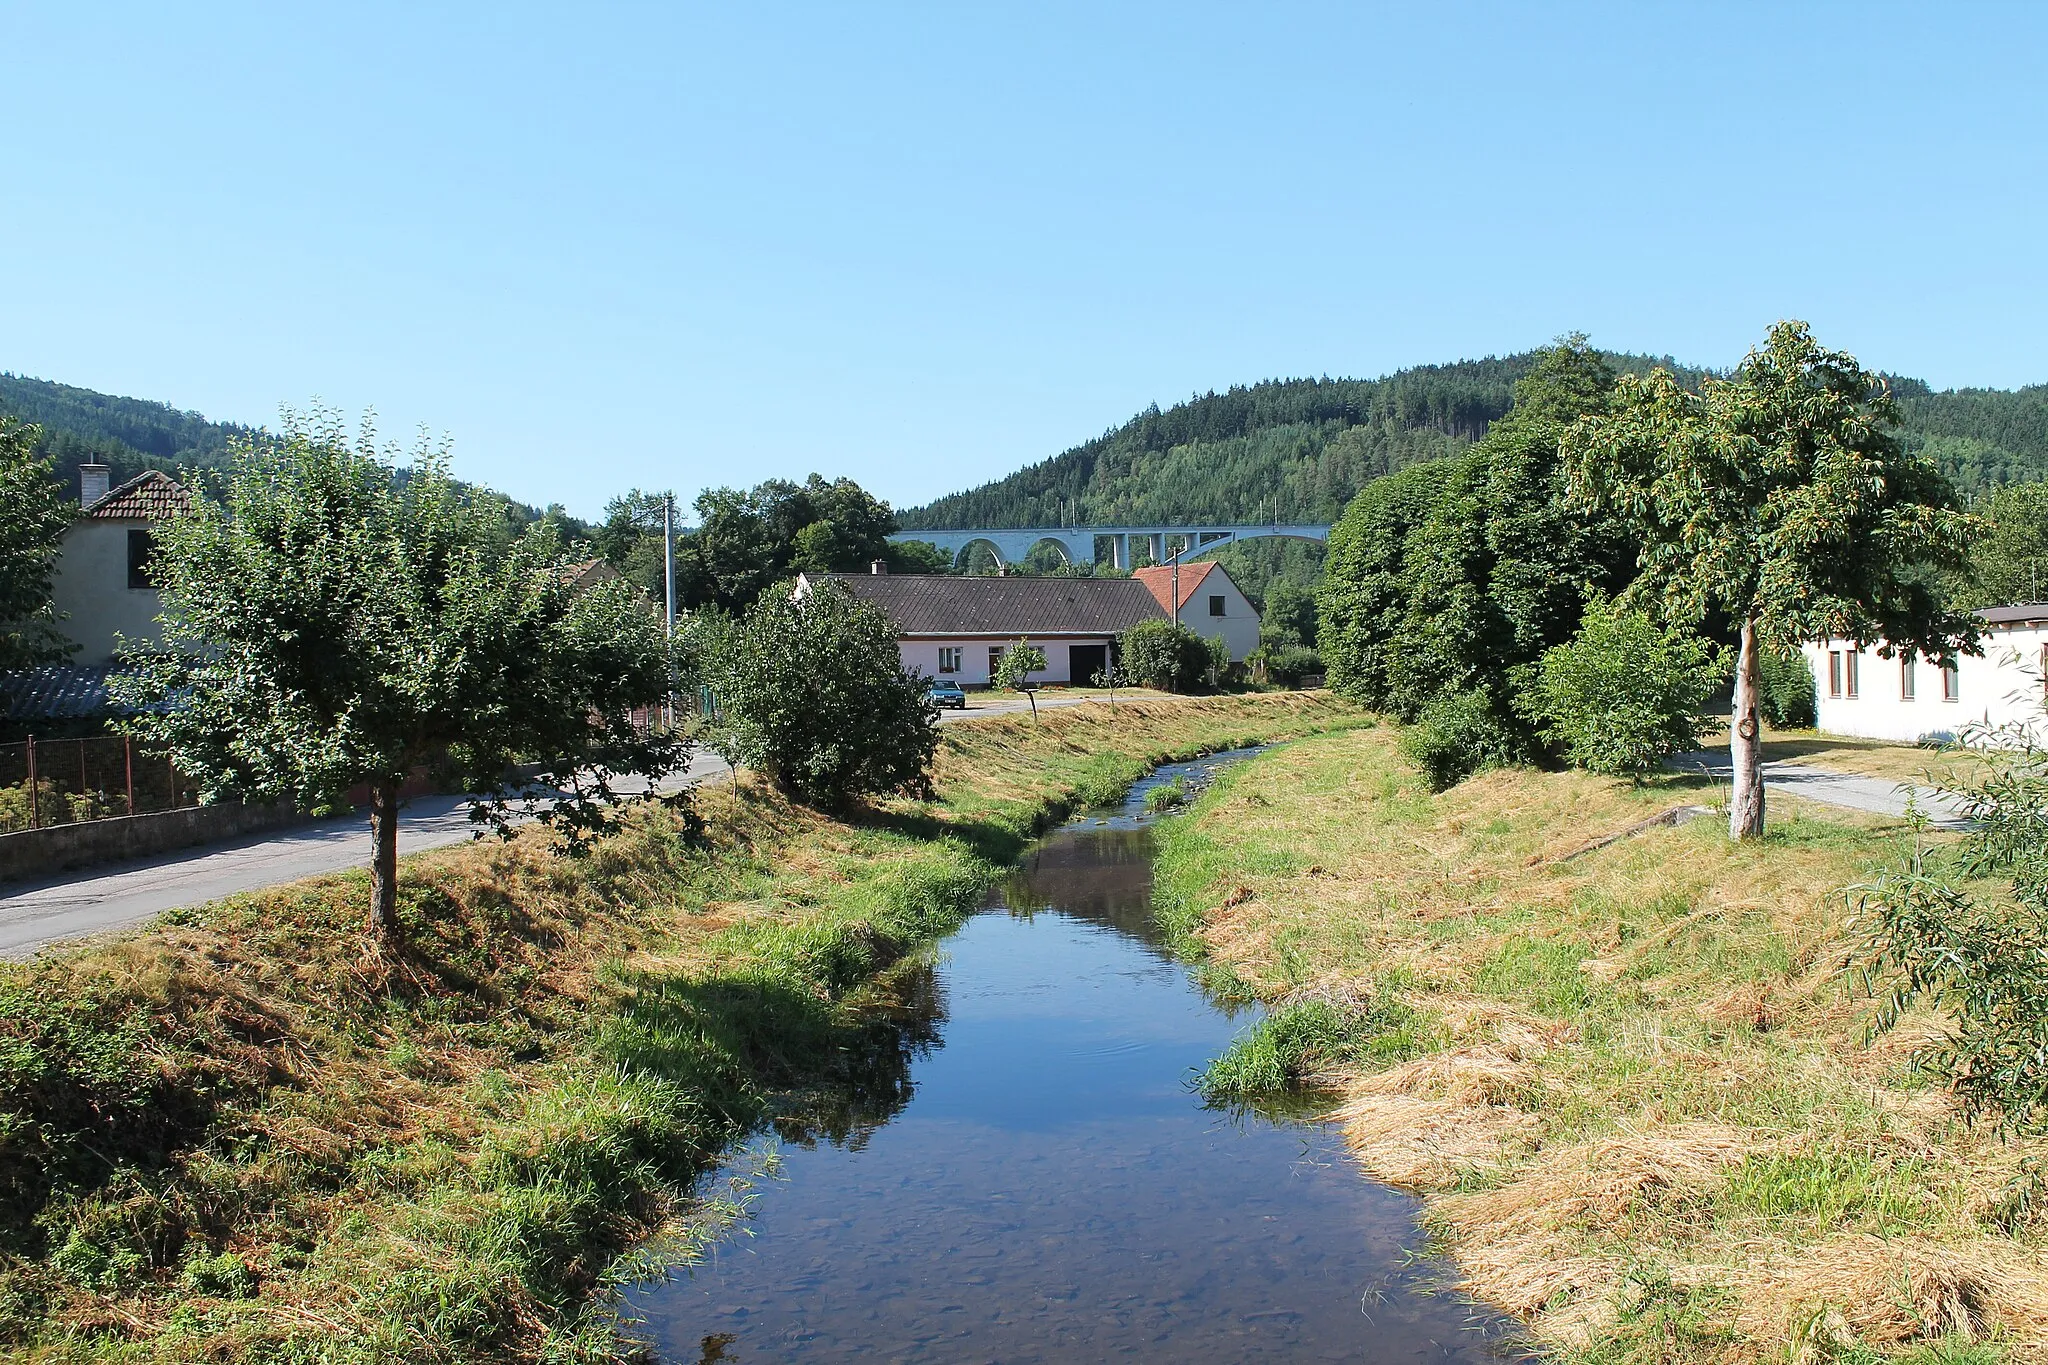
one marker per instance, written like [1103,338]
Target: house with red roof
[1203,597]
[102,587]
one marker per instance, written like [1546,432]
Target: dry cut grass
[1647,1120]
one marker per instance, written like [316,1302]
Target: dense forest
[1298,450]
[80,426]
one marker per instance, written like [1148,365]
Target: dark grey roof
[941,604]
[56,692]
[2005,616]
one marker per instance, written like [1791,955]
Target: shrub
[1287,665]
[1787,696]
[1933,939]
[1459,734]
[1623,695]
[1167,655]
[811,692]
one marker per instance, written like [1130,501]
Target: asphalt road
[97,900]
[1872,794]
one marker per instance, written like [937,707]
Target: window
[995,660]
[1216,604]
[1905,677]
[949,658]
[1849,658]
[1951,685]
[1834,672]
[141,549]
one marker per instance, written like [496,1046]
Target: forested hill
[135,434]
[1296,450]
[131,434]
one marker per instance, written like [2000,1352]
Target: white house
[101,587]
[957,628]
[1205,599]
[1908,699]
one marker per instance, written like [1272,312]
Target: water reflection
[1044,1187]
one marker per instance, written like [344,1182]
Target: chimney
[878,566]
[93,480]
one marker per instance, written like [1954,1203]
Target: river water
[1023,1173]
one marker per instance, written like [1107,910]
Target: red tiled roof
[1159,581]
[154,496]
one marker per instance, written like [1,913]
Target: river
[1026,1175]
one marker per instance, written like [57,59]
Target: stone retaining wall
[40,852]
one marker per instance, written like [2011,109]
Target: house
[1206,600]
[957,628]
[1908,699]
[101,587]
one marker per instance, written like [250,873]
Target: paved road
[34,915]
[1873,794]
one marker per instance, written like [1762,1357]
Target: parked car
[945,693]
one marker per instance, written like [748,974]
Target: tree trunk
[384,861]
[1745,743]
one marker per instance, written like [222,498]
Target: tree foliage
[1019,662]
[1623,694]
[811,693]
[1781,499]
[1167,655]
[2009,559]
[34,513]
[328,625]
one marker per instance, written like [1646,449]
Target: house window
[1905,677]
[995,660]
[1216,604]
[949,658]
[141,549]
[1951,685]
[1849,658]
[1834,672]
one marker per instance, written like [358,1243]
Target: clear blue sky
[606,246]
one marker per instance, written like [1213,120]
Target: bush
[1460,734]
[1934,939]
[1787,695]
[1287,665]
[1623,695]
[811,692]
[1167,655]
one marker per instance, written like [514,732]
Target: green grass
[1305,1038]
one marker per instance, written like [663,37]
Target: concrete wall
[1239,624]
[39,852]
[2003,686]
[921,655]
[90,589]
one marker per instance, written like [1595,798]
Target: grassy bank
[1631,1080]
[241,1135]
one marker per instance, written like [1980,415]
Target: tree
[1782,498]
[1290,615]
[33,515]
[328,625]
[1164,654]
[2009,561]
[1623,694]
[1019,662]
[812,693]
[747,542]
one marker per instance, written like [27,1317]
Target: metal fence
[47,782]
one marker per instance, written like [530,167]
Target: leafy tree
[1782,498]
[1786,693]
[747,542]
[1364,593]
[2009,560]
[812,693]
[1165,654]
[328,625]
[1289,617]
[33,515]
[918,556]
[1019,662]
[1623,694]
